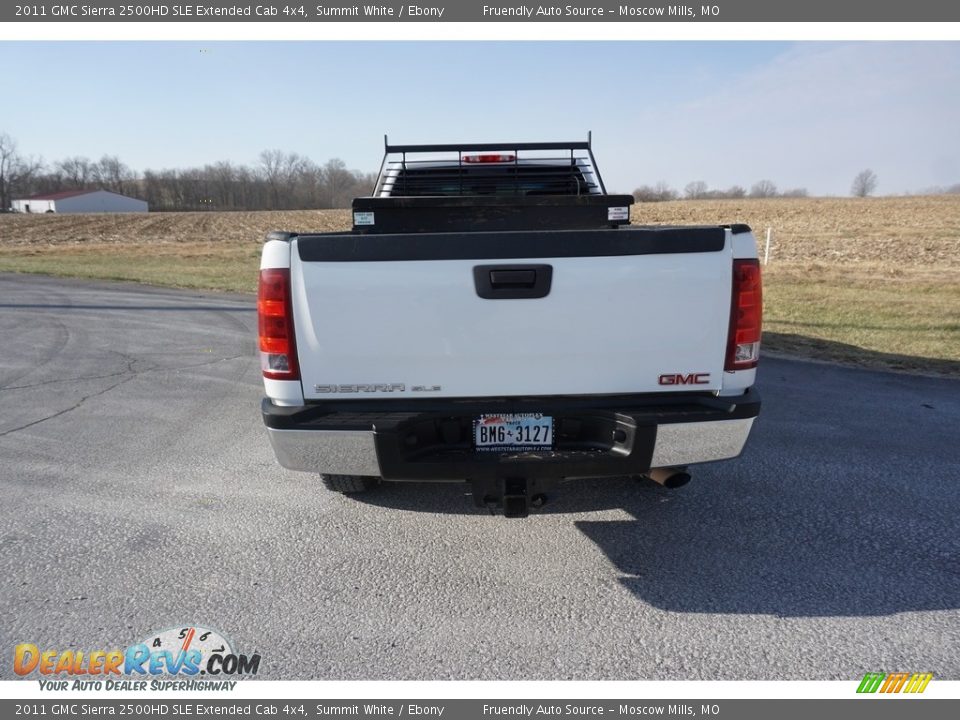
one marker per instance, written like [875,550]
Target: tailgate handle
[512,278]
[512,282]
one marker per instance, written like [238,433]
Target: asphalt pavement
[139,492]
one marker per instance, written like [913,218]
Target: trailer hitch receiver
[514,495]
[516,504]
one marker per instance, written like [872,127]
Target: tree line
[286,181]
[279,181]
[864,184]
[699,190]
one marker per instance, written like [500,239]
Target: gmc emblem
[679,379]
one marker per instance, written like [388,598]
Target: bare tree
[8,161]
[763,189]
[76,172]
[271,167]
[111,174]
[695,190]
[644,193]
[222,181]
[795,193]
[281,170]
[338,183]
[248,191]
[665,192]
[661,192]
[864,183]
[16,171]
[732,192]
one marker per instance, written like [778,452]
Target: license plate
[520,431]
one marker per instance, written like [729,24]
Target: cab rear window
[498,179]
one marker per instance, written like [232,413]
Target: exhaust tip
[670,478]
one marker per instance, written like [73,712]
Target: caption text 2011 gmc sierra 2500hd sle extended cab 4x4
[493,318]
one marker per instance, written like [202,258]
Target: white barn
[79,201]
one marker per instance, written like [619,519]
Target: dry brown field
[871,281]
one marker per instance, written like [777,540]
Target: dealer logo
[900,682]
[214,654]
[187,651]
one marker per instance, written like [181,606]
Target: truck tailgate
[628,310]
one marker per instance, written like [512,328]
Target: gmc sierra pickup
[493,318]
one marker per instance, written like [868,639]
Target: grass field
[873,282]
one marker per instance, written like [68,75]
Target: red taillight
[490,158]
[278,353]
[746,316]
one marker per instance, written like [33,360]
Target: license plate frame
[513,432]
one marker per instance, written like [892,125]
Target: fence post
[766,249]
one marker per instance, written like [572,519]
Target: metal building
[79,201]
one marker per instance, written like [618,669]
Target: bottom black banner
[874,708]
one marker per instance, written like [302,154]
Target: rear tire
[349,484]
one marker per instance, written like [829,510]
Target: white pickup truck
[493,318]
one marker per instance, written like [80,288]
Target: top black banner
[855,11]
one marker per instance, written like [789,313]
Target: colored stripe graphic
[870,683]
[923,679]
[894,682]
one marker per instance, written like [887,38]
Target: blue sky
[808,114]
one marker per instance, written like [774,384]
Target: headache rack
[488,187]
[499,169]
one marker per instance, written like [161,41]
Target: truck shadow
[844,504]
[793,546]
[852,355]
[809,552]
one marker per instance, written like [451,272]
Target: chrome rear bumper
[354,452]
[335,452]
